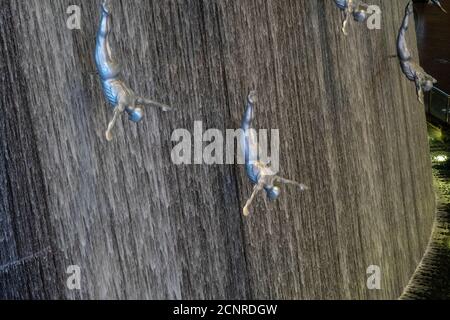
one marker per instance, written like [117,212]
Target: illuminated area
[436,263]
[440,158]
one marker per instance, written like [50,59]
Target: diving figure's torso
[114,90]
[409,69]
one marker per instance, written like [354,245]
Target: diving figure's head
[252,97]
[360,15]
[136,115]
[428,83]
[273,192]
[106,7]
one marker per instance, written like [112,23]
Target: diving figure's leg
[256,190]
[419,89]
[108,68]
[249,111]
[345,23]
[421,96]
[402,47]
[249,140]
[105,23]
[348,14]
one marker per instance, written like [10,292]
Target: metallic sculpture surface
[258,172]
[414,72]
[116,92]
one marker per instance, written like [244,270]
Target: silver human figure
[438,3]
[258,172]
[115,90]
[424,82]
[355,8]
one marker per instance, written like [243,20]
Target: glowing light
[440,158]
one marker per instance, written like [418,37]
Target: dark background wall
[139,226]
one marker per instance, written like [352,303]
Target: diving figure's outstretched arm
[256,190]
[150,103]
[295,183]
[118,111]
[419,90]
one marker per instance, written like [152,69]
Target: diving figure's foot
[410,8]
[106,6]
[252,97]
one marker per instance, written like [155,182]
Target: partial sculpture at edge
[355,8]
[414,72]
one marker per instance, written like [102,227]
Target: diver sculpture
[414,72]
[258,172]
[116,92]
[355,8]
